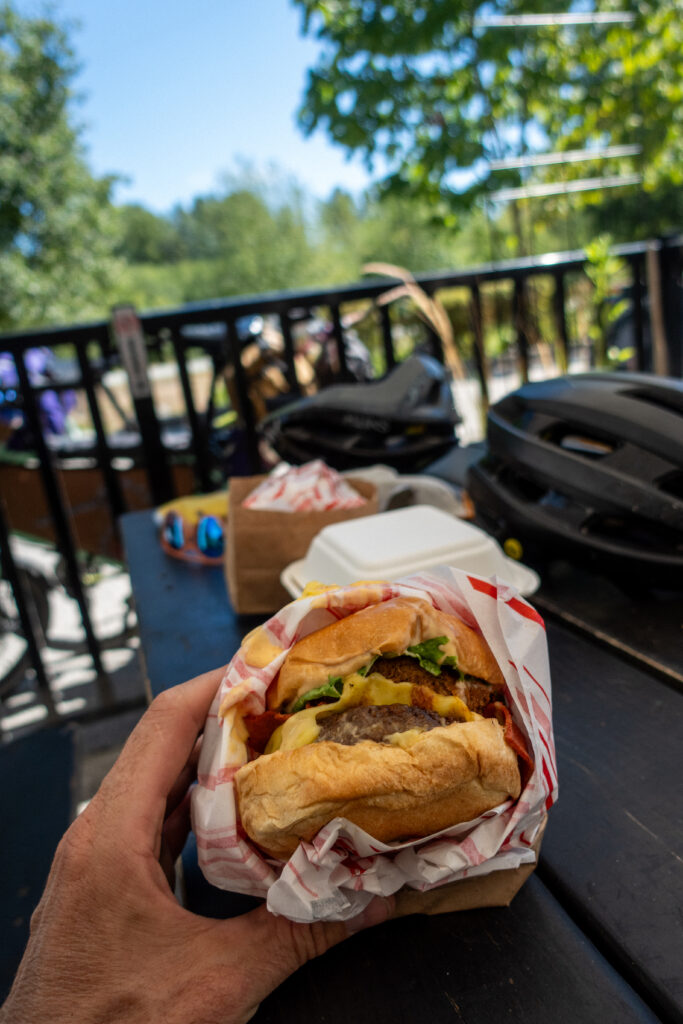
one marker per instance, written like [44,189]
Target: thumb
[303,942]
[283,946]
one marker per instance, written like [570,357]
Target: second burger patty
[475,692]
[375,723]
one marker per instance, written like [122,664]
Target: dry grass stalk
[430,310]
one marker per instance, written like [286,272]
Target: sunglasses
[201,542]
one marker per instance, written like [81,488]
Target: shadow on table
[36,808]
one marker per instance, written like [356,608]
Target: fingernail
[376,912]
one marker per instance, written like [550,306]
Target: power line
[504,195]
[539,20]
[568,156]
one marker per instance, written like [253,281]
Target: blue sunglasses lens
[210,537]
[173,531]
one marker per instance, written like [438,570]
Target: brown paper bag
[494,890]
[261,543]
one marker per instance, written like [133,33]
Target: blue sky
[177,92]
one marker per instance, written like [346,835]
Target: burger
[394,717]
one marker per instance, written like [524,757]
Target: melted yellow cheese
[258,650]
[303,728]
[234,738]
[313,588]
[405,739]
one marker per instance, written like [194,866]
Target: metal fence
[73,499]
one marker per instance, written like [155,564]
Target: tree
[55,217]
[337,229]
[245,240]
[395,230]
[425,88]
[146,237]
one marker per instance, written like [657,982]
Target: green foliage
[264,236]
[625,86]
[401,231]
[421,88]
[153,286]
[145,237]
[631,216]
[244,240]
[411,82]
[607,273]
[56,221]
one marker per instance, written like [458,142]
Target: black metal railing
[158,464]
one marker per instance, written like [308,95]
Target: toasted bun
[451,774]
[386,628]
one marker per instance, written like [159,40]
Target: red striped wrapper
[336,875]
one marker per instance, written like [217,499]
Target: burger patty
[475,692]
[376,722]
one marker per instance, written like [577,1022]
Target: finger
[148,769]
[184,781]
[177,828]
[288,945]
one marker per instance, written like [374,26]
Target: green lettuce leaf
[332,690]
[430,656]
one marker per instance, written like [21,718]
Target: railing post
[338,332]
[27,618]
[246,410]
[117,502]
[131,343]
[670,265]
[643,360]
[290,354]
[660,344]
[433,338]
[199,430]
[560,311]
[65,540]
[480,359]
[387,337]
[521,325]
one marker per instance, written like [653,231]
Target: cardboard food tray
[261,543]
[496,889]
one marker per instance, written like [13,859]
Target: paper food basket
[260,543]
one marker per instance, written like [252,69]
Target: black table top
[595,934]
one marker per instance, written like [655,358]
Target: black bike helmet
[407,420]
[589,465]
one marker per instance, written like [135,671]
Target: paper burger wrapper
[477,863]
[495,889]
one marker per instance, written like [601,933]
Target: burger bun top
[389,627]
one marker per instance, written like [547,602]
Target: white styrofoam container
[393,544]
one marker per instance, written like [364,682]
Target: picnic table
[596,933]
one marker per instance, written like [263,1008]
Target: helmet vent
[578,441]
[588,446]
[520,485]
[671,400]
[635,532]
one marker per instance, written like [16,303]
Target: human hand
[110,943]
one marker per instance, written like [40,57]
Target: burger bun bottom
[451,774]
